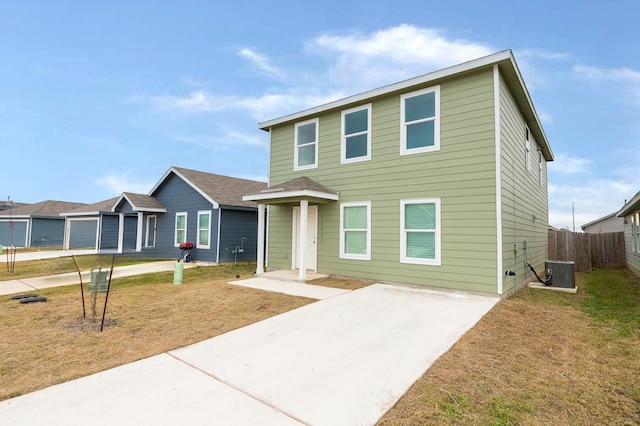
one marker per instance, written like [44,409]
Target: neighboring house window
[527,148]
[355,230]
[306,144]
[540,168]
[420,121]
[181,228]
[204,229]
[420,231]
[356,134]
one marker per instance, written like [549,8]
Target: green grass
[613,300]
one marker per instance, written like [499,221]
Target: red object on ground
[186,245]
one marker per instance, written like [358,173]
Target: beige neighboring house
[608,223]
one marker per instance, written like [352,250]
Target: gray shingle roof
[224,190]
[142,201]
[100,206]
[43,208]
[300,184]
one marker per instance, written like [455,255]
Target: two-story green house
[439,180]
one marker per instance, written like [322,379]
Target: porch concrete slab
[292,288]
[344,360]
[160,390]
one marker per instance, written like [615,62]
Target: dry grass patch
[43,344]
[539,358]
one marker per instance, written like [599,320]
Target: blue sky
[101,97]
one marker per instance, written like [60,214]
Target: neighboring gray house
[35,225]
[184,206]
[608,223]
[205,209]
[95,226]
[630,213]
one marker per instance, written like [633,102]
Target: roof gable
[217,189]
[140,203]
[95,208]
[505,62]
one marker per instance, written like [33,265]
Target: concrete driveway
[344,360]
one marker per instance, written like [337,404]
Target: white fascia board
[291,194]
[630,206]
[446,72]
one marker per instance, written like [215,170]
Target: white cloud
[614,74]
[123,182]
[261,61]
[195,102]
[230,139]
[592,198]
[566,165]
[542,54]
[369,60]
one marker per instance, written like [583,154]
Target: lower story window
[204,229]
[420,231]
[355,230]
[180,229]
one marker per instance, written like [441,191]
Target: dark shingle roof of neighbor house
[100,206]
[224,190]
[44,208]
[142,201]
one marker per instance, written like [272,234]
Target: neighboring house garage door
[19,233]
[83,234]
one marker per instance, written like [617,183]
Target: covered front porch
[304,195]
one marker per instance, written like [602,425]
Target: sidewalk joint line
[250,395]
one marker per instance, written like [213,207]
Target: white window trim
[146,240]
[343,145]
[436,124]
[527,148]
[403,235]
[176,243]
[295,145]
[344,255]
[198,245]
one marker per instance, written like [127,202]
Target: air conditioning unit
[562,273]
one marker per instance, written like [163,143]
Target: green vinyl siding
[524,200]
[461,174]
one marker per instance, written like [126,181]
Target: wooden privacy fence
[588,251]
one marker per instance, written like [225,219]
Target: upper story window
[420,121]
[306,145]
[527,148]
[540,168]
[356,134]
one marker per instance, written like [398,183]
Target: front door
[312,236]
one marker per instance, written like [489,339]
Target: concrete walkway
[71,278]
[344,360]
[47,254]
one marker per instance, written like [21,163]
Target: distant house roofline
[593,222]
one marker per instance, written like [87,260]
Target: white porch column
[120,232]
[260,266]
[302,249]
[139,234]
